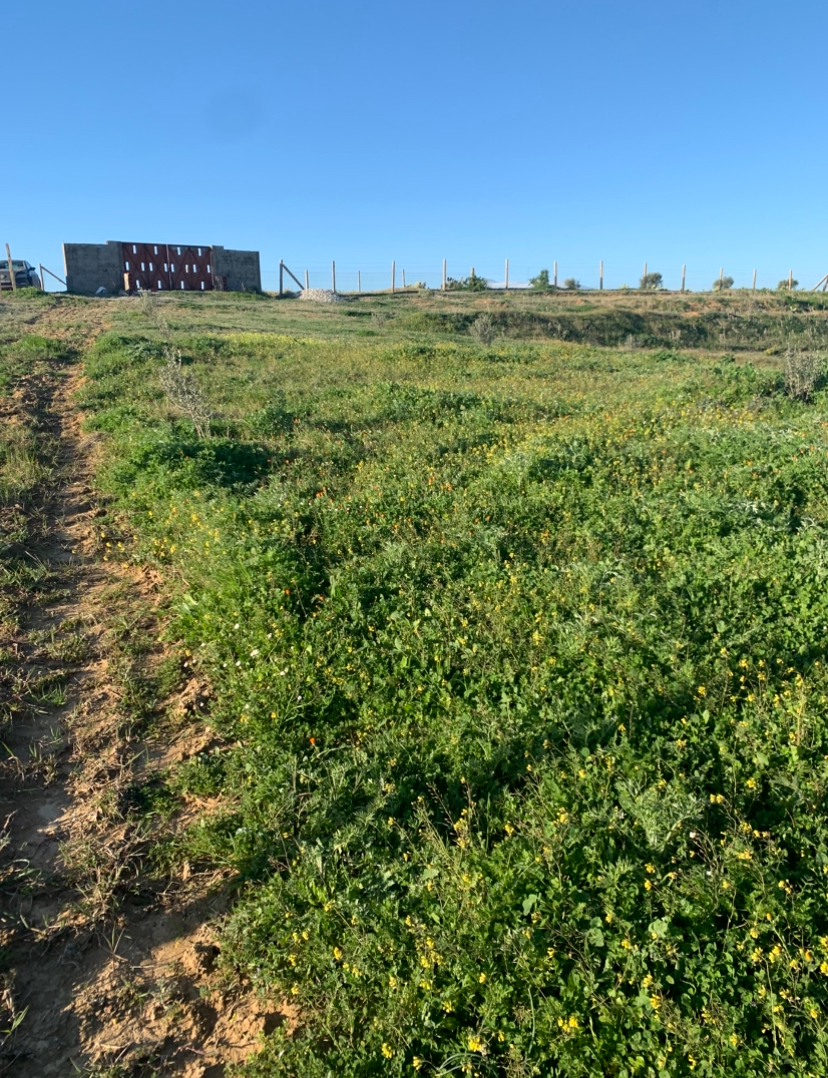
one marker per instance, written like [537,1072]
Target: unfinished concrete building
[158,267]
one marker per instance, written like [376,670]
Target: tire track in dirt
[107,968]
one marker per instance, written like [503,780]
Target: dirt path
[106,967]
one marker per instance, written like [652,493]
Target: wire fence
[376,277]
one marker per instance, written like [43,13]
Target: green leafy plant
[541,283]
[572,284]
[722,284]
[651,282]
[472,283]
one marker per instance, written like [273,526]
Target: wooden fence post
[359,280]
[721,278]
[281,276]
[507,274]
[393,276]
[307,281]
[555,274]
[60,280]
[403,280]
[40,274]
[601,276]
[790,281]
[11,270]
[644,277]
[683,276]
[753,288]
[333,276]
[445,279]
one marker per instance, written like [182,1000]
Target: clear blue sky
[372,131]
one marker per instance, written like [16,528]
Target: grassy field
[516,662]
[725,321]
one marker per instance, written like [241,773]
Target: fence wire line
[376,277]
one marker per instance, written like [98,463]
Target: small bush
[572,284]
[183,393]
[651,282]
[722,284]
[275,418]
[483,329]
[541,282]
[804,374]
[786,285]
[379,319]
[473,283]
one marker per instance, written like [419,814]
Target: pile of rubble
[320,295]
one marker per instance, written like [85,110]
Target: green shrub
[541,282]
[274,418]
[722,284]
[472,283]
[483,329]
[651,282]
[805,373]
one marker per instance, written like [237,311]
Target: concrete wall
[92,265]
[241,268]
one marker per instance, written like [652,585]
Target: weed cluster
[183,393]
[804,373]
[472,283]
[483,329]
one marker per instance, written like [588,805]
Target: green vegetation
[28,459]
[787,285]
[483,329]
[472,283]
[651,282]
[722,284]
[517,653]
[541,283]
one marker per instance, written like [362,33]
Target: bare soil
[106,966]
